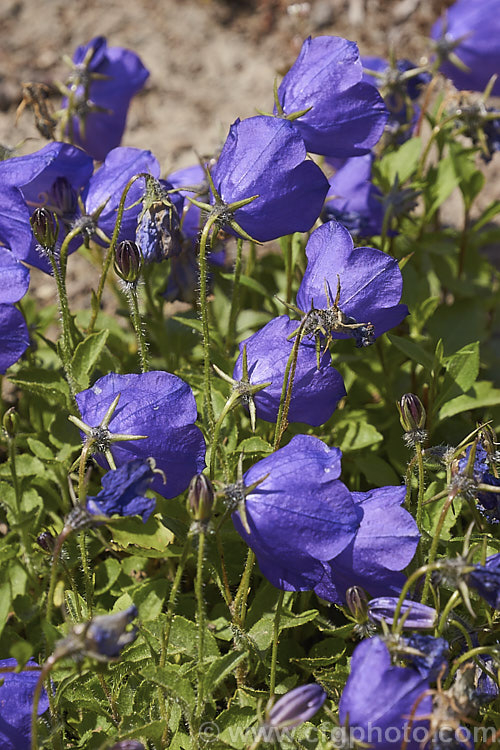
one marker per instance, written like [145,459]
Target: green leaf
[442,181]
[222,668]
[376,470]
[412,350]
[40,450]
[46,384]
[353,431]
[402,163]
[488,214]
[462,369]
[483,394]
[169,678]
[86,356]
[150,535]
[5,604]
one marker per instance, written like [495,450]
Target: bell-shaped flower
[367,282]
[157,405]
[299,514]
[353,200]
[59,177]
[416,616]
[341,115]
[295,707]
[265,158]
[14,336]
[16,704]
[384,545]
[316,390]
[102,83]
[384,705]
[467,43]
[123,491]
[485,579]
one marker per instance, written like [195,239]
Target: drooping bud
[45,228]
[416,616]
[11,422]
[200,498]
[357,603]
[295,707]
[128,261]
[106,635]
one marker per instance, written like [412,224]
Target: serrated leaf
[170,679]
[150,535]
[222,668]
[86,356]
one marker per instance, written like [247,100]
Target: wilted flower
[323,93]
[316,390]
[428,655]
[123,491]
[467,43]
[266,157]
[485,579]
[102,83]
[158,405]
[368,283]
[16,701]
[295,707]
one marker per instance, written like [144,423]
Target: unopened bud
[296,706]
[11,422]
[46,541]
[357,603]
[128,745]
[45,227]
[200,498]
[128,261]
[411,413]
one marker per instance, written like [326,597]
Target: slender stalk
[46,669]
[66,337]
[203,303]
[468,655]
[142,347]
[434,545]
[89,588]
[200,616]
[286,391]
[420,496]
[276,635]
[235,299]
[240,600]
[53,570]
[450,604]
[214,446]
[225,579]
[413,578]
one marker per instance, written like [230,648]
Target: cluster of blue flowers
[307,529]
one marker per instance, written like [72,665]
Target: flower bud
[128,745]
[128,261]
[357,603]
[296,706]
[200,498]
[419,617]
[106,635]
[11,422]
[45,227]
[46,541]
[411,413]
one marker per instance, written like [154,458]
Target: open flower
[16,701]
[123,491]
[157,405]
[316,390]
[468,35]
[266,157]
[14,336]
[340,114]
[102,83]
[367,281]
[299,514]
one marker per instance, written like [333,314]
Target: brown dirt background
[210,61]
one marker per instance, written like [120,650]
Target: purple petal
[15,277]
[14,336]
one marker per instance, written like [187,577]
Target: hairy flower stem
[235,298]
[240,600]
[142,347]
[207,370]
[468,655]
[413,578]
[53,570]
[46,669]
[420,498]
[66,337]
[23,533]
[164,708]
[87,577]
[215,448]
[450,604]
[434,546]
[108,260]
[286,247]
[276,636]
[200,616]
[286,391]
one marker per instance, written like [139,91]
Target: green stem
[110,253]
[207,370]
[420,497]
[276,634]
[450,604]
[468,655]
[463,630]
[66,337]
[434,546]
[225,579]
[46,669]
[233,398]
[142,347]
[240,600]
[413,578]
[408,476]
[89,588]
[286,391]
[235,299]
[200,616]
[53,571]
